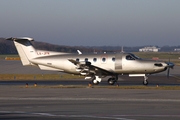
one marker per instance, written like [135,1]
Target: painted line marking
[70,116]
[115,117]
[92,99]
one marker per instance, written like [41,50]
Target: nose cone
[169,65]
[163,66]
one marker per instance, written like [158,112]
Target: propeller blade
[168,71]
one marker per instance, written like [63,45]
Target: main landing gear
[112,80]
[96,80]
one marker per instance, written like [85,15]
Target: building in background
[149,49]
[177,50]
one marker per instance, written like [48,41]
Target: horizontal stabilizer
[20,38]
[42,67]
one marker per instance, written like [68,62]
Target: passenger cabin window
[77,59]
[94,59]
[86,59]
[103,59]
[113,59]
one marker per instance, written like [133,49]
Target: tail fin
[25,49]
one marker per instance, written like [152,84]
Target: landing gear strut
[145,82]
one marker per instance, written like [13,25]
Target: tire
[111,81]
[95,82]
[145,82]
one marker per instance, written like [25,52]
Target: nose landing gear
[145,82]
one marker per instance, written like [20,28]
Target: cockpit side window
[129,57]
[86,59]
[77,59]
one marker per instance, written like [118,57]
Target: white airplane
[92,66]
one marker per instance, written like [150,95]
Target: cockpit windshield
[132,57]
[135,56]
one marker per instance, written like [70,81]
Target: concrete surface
[88,103]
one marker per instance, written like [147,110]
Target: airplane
[93,66]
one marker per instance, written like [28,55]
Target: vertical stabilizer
[25,49]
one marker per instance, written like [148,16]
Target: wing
[85,68]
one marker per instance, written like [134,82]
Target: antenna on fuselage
[122,49]
[95,51]
[79,52]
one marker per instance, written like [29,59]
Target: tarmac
[88,103]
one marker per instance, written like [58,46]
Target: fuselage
[120,63]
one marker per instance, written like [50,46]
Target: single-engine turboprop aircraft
[92,66]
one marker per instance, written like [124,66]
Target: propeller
[169,65]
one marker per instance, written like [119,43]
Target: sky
[93,22]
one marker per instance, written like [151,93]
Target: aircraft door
[118,62]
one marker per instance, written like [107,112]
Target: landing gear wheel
[95,82]
[145,82]
[111,81]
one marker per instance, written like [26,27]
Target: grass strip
[105,87]
[17,77]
